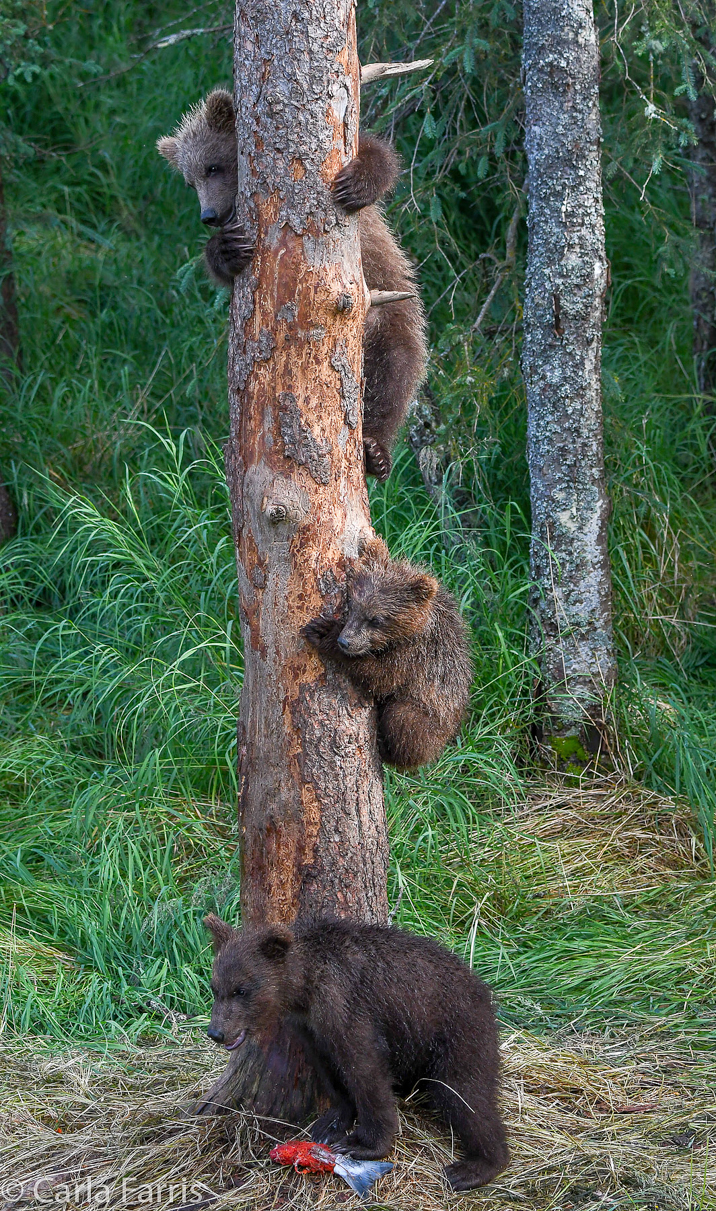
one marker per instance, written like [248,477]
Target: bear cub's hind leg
[470,1107]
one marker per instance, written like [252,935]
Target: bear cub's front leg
[367,177]
[333,1125]
[322,633]
[228,253]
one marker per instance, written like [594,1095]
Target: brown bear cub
[379,1011]
[400,638]
[203,148]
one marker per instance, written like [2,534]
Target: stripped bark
[564,300]
[312,818]
[10,356]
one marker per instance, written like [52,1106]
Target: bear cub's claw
[468,1175]
[365,1146]
[232,251]
[378,461]
[332,1126]
[316,630]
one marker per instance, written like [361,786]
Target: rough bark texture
[564,299]
[9,346]
[703,272]
[312,817]
[313,823]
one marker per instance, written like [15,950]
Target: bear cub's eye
[212,170]
[239,992]
[376,622]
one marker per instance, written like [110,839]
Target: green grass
[120,660]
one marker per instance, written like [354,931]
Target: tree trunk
[564,299]
[10,360]
[702,179]
[313,824]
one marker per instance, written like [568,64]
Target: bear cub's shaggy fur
[379,1010]
[203,148]
[400,638]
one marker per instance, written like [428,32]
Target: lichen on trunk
[702,182]
[565,287]
[10,351]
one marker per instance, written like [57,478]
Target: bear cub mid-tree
[380,1011]
[203,148]
[400,638]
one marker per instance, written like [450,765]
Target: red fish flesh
[307,1157]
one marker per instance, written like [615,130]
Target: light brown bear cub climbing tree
[400,638]
[203,148]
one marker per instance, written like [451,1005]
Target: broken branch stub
[379,71]
[379,297]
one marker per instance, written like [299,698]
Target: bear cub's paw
[353,187]
[378,461]
[319,628]
[468,1175]
[229,252]
[366,178]
[332,1126]
[367,1144]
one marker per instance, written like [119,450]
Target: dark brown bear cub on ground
[381,1010]
[203,148]
[401,639]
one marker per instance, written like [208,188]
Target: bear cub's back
[402,978]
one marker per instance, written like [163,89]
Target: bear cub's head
[388,601]
[250,980]
[203,150]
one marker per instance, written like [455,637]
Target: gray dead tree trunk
[313,827]
[702,181]
[10,359]
[564,300]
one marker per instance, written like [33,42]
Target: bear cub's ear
[372,551]
[422,588]
[221,931]
[275,944]
[169,148]
[219,111]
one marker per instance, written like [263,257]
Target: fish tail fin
[360,1175]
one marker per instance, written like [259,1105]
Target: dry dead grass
[626,1120]
[577,843]
[593,1123]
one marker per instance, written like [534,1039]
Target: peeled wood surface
[564,300]
[312,816]
[313,827]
